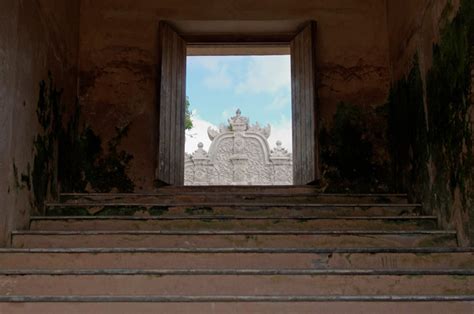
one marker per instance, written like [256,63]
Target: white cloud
[198,134]
[281,131]
[228,113]
[218,78]
[266,74]
[279,102]
[218,75]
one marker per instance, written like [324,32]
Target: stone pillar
[201,163]
[239,159]
[282,166]
[280,171]
[188,170]
[239,163]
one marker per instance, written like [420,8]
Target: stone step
[244,282]
[437,258]
[232,209]
[237,304]
[240,189]
[237,239]
[249,196]
[232,223]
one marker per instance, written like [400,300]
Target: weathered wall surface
[118,56]
[413,27]
[36,36]
[431,45]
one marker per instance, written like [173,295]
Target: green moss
[436,241]
[43,174]
[158,210]
[429,130]
[302,220]
[407,131]
[448,89]
[84,165]
[198,210]
[188,122]
[26,178]
[460,277]
[105,210]
[72,155]
[15,177]
[67,211]
[120,210]
[354,150]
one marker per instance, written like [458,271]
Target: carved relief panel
[239,155]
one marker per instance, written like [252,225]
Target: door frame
[262,42]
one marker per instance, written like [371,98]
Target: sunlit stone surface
[239,155]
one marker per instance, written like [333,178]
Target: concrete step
[237,304]
[331,258]
[237,239]
[214,222]
[244,282]
[230,196]
[232,209]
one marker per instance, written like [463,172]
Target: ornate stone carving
[239,155]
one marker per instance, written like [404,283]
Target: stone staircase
[235,249]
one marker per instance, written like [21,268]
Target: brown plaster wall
[35,36]
[413,28]
[118,40]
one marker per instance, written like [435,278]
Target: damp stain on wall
[354,151]
[84,165]
[430,129]
[68,156]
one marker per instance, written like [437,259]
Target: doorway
[238,99]
[173,51]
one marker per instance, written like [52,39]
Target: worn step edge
[236,232]
[227,299]
[427,250]
[233,204]
[250,190]
[238,272]
[227,217]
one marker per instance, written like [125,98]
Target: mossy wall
[35,36]
[408,133]
[430,124]
[84,164]
[119,48]
[68,156]
[43,174]
[355,156]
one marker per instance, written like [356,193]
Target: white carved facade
[239,155]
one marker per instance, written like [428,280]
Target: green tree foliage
[188,122]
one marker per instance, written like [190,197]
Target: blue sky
[259,85]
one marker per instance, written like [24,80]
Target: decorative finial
[239,123]
[200,153]
[279,151]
